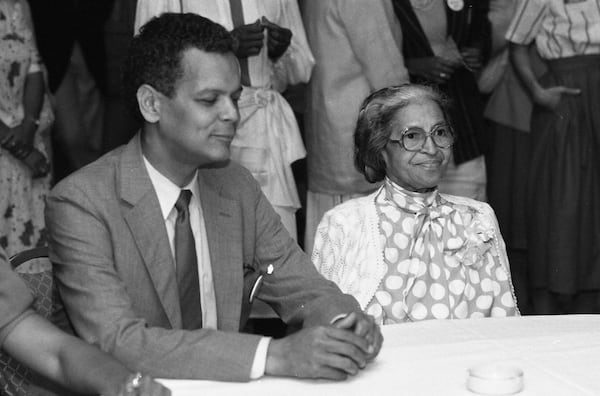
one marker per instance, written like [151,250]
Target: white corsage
[476,243]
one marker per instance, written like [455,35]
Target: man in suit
[118,228]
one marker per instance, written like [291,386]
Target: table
[560,355]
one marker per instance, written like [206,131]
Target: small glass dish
[495,379]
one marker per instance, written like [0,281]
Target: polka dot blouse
[441,261]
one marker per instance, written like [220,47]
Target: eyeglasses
[414,138]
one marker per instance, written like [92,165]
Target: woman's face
[416,170]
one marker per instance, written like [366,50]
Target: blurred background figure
[70,38]
[407,252]
[119,124]
[25,119]
[563,193]
[446,43]
[357,47]
[273,53]
[508,117]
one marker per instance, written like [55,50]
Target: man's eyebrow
[218,91]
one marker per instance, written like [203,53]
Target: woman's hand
[18,140]
[435,69]
[550,97]
[472,58]
[143,385]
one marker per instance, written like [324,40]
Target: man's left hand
[363,325]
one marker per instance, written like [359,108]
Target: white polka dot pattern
[401,241]
[394,282]
[440,311]
[440,262]
[384,298]
[437,291]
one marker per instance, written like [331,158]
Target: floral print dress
[22,199]
[441,261]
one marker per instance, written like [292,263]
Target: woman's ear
[149,103]
[373,175]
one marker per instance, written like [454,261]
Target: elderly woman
[407,252]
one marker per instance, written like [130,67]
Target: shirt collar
[167,191]
[410,201]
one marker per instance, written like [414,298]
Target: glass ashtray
[495,379]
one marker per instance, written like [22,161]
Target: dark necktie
[187,265]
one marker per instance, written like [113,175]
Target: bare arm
[19,139]
[68,360]
[548,97]
[33,94]
[33,98]
[44,348]
[520,59]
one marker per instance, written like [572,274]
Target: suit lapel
[224,234]
[144,218]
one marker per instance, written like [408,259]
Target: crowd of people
[452,170]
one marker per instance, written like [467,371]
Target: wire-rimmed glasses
[414,138]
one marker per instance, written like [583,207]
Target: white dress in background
[22,198]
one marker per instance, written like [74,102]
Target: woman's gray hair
[375,119]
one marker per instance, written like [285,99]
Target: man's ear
[149,103]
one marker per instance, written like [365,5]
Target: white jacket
[349,248]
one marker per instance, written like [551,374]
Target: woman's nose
[429,146]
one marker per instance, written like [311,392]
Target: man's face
[198,122]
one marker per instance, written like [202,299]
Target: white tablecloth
[559,355]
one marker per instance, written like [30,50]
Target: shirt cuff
[338,317]
[260,358]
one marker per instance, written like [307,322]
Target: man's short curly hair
[375,121]
[155,54]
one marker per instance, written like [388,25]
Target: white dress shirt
[167,193]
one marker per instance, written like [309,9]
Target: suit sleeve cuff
[338,317]
[260,358]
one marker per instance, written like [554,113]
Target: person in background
[70,41]
[41,346]
[271,46]
[25,118]
[508,115]
[357,47]
[158,245]
[119,124]
[446,43]
[408,252]
[563,193]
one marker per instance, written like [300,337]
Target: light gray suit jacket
[115,271]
